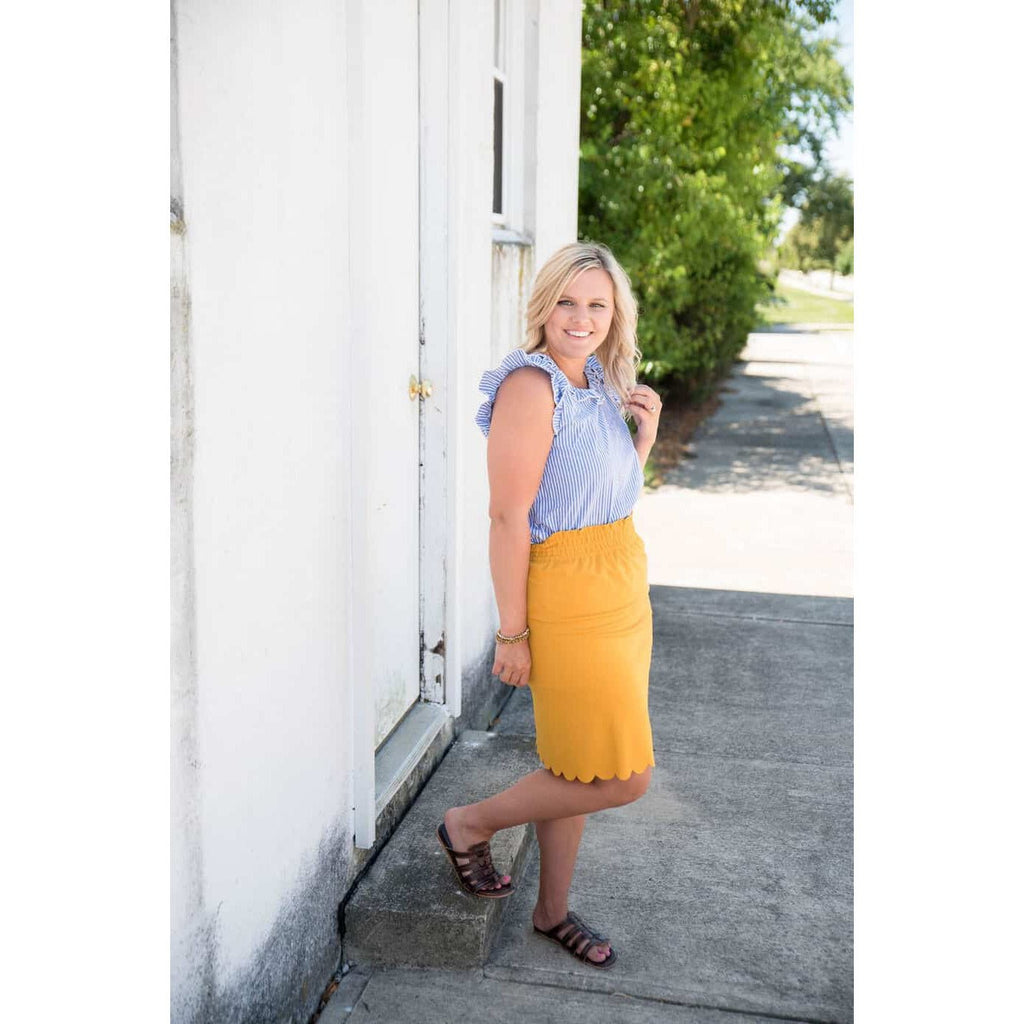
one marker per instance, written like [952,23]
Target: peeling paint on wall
[511,276]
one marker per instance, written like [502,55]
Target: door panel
[391,350]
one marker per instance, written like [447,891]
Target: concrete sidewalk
[767,503]
[817,282]
[727,889]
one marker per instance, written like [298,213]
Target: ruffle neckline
[566,394]
[592,369]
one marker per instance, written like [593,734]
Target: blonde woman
[570,578]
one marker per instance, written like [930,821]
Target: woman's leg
[559,840]
[538,797]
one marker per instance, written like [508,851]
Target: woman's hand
[512,662]
[645,405]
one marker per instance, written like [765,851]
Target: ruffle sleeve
[491,380]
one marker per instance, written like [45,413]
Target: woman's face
[582,316]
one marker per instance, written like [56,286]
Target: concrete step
[409,909]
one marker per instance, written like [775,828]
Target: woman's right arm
[518,444]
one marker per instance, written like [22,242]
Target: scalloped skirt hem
[597,775]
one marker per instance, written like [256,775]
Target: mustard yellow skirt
[589,612]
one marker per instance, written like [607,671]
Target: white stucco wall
[262,110]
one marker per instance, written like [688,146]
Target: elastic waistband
[603,537]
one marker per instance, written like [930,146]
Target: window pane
[498,135]
[497,33]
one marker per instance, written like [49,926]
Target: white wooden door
[391,346]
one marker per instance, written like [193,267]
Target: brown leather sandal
[578,939]
[478,872]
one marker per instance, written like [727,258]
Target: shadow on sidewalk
[768,434]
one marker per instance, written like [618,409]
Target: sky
[840,150]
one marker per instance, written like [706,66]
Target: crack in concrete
[664,1000]
[767,618]
[844,766]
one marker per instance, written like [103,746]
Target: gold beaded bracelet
[502,639]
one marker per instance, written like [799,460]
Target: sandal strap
[586,929]
[474,873]
[575,938]
[480,870]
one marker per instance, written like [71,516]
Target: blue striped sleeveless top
[592,475]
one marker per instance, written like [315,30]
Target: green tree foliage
[825,230]
[799,250]
[686,108]
[844,261]
[829,206]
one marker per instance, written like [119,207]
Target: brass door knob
[424,390]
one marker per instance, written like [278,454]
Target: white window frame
[511,72]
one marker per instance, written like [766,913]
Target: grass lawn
[793,306]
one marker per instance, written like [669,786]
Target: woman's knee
[625,791]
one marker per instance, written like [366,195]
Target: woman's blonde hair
[618,353]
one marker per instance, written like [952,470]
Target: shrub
[684,109]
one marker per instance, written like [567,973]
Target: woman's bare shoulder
[528,388]
[527,379]
[524,400]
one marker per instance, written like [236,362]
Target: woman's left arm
[643,446]
[645,406]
